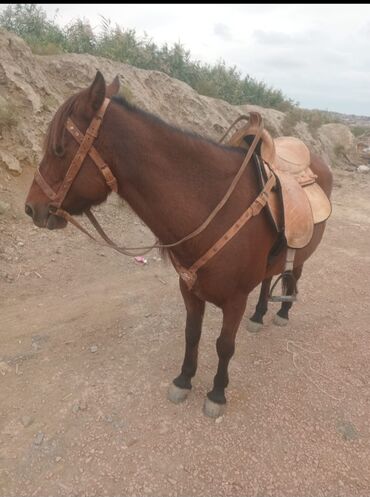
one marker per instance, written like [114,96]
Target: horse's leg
[281,318]
[179,389]
[233,311]
[255,323]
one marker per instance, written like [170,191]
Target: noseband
[86,148]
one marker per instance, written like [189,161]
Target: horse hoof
[176,394]
[213,410]
[253,327]
[279,321]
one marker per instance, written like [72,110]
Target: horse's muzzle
[44,218]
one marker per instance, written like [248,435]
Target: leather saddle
[301,202]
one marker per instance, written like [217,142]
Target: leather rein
[86,148]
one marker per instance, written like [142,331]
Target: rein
[86,148]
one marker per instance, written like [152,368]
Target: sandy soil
[90,341]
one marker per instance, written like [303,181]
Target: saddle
[300,202]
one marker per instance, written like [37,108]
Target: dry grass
[8,116]
[313,118]
[126,93]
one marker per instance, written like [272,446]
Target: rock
[58,458]
[363,169]
[39,438]
[337,139]
[3,207]
[93,348]
[4,368]
[10,162]
[347,430]
[26,421]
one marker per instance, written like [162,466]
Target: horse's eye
[59,151]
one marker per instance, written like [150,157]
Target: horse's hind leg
[179,389]
[255,323]
[281,318]
[233,312]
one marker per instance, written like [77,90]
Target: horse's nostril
[29,210]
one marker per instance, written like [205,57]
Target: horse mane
[56,131]
[157,120]
[54,139]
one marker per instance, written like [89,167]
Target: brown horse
[173,179]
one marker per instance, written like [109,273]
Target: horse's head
[89,186]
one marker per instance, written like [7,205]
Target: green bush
[45,36]
[360,131]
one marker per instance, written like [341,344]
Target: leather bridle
[86,148]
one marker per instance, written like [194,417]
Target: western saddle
[300,202]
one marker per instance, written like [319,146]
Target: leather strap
[44,186]
[95,156]
[189,275]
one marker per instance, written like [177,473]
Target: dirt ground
[90,340]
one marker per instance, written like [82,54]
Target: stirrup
[284,298]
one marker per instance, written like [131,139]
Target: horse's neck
[170,179]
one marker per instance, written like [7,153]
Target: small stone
[26,421]
[11,163]
[83,405]
[58,458]
[75,407]
[219,420]
[3,207]
[347,430]
[363,169]
[4,368]
[39,438]
[93,348]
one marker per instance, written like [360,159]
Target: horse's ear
[97,91]
[113,88]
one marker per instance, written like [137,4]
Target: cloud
[288,39]
[223,31]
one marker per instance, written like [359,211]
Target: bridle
[86,148]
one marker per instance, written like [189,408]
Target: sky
[316,54]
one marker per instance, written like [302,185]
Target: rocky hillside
[32,87]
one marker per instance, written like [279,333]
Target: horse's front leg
[233,311]
[179,389]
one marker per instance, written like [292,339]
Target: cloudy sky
[318,55]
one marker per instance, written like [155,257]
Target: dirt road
[90,341]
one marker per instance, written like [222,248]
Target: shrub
[44,36]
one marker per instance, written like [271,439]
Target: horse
[172,179]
